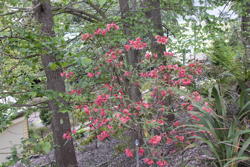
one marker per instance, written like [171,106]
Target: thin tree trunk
[64,150]
[153,13]
[245,28]
[132,57]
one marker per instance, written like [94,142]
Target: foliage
[225,136]
[98,75]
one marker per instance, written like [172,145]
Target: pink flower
[190,107]
[67,136]
[182,73]
[194,117]
[168,54]
[103,32]
[147,55]
[62,74]
[90,74]
[138,44]
[161,163]
[161,39]
[138,107]
[127,47]
[109,127]
[127,74]
[148,161]
[103,135]
[169,140]
[129,153]
[186,82]
[207,109]
[86,109]
[97,73]
[73,131]
[112,25]
[180,138]
[125,119]
[156,56]
[86,36]
[176,123]
[161,122]
[163,93]
[146,105]
[98,31]
[141,151]
[197,96]
[155,140]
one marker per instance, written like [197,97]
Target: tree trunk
[153,13]
[245,28]
[64,150]
[132,57]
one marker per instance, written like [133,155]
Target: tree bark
[132,57]
[64,150]
[245,28]
[153,13]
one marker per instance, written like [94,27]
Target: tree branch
[77,12]
[97,9]
[18,58]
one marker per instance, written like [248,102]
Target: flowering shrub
[112,110]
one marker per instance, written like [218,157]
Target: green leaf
[53,66]
[85,61]
[219,101]
[46,147]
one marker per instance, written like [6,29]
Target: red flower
[141,151]
[86,109]
[129,153]
[190,107]
[155,140]
[86,36]
[146,105]
[90,75]
[112,25]
[136,44]
[148,161]
[180,138]
[207,109]
[176,123]
[161,39]
[73,131]
[169,140]
[127,74]
[168,54]
[194,117]
[156,56]
[127,47]
[103,135]
[182,73]
[147,55]
[98,31]
[125,119]
[161,163]
[67,136]
[186,82]
[62,74]
[163,93]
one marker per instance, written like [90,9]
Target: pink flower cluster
[103,135]
[161,39]
[75,91]
[168,54]
[67,75]
[112,55]
[100,31]
[155,140]
[135,44]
